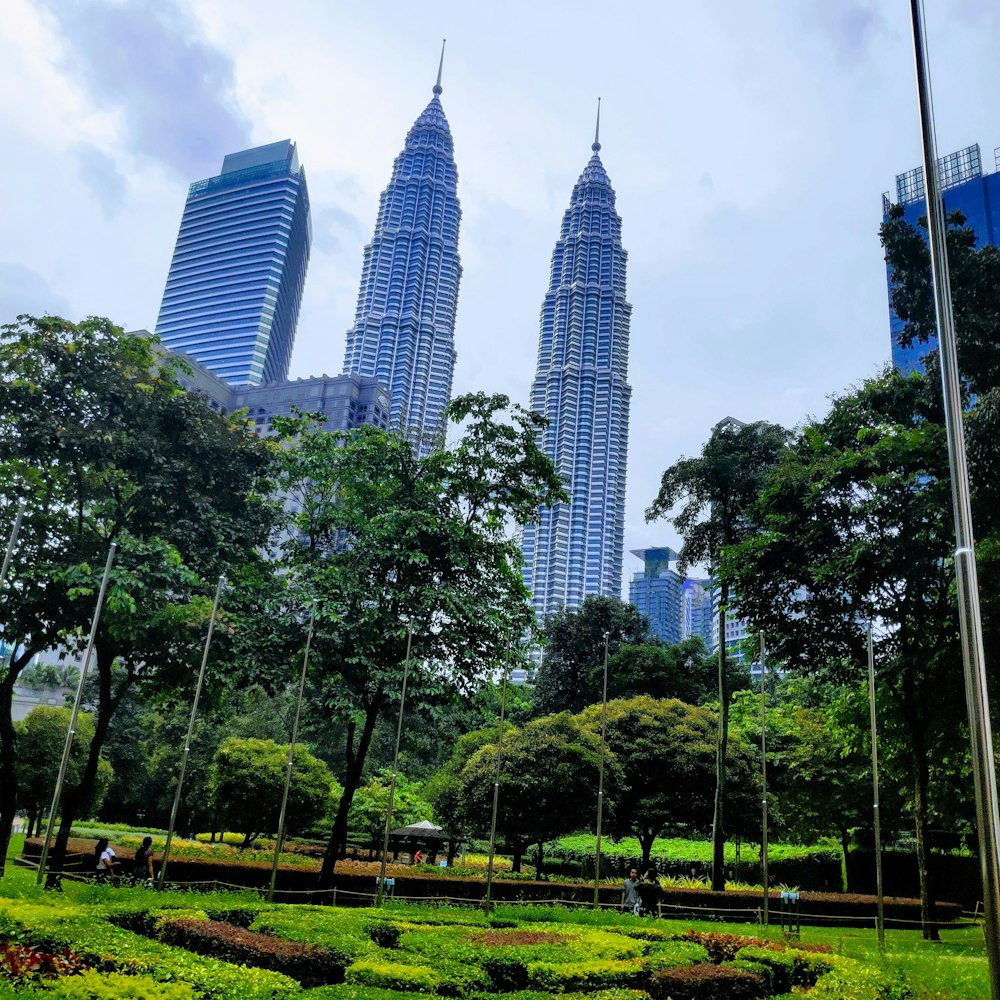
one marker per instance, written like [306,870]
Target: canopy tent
[432,837]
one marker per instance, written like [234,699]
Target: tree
[855,527]
[683,671]
[548,785]
[666,751]
[371,803]
[105,446]
[391,544]
[41,738]
[248,780]
[714,492]
[572,671]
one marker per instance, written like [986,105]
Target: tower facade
[964,188]
[581,386]
[404,327]
[235,284]
[657,590]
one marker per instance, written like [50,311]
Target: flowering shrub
[21,962]
[707,982]
[309,964]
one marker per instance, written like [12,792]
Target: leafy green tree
[248,780]
[105,446]
[713,493]
[371,803]
[49,675]
[666,751]
[683,671]
[855,526]
[388,541]
[41,739]
[548,785]
[572,671]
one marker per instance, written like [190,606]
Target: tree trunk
[646,839]
[517,851]
[539,859]
[721,751]
[845,846]
[8,751]
[920,781]
[337,844]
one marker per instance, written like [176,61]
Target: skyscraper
[404,326]
[235,283]
[580,385]
[657,591]
[965,188]
[696,610]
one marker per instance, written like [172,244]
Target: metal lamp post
[291,760]
[600,778]
[75,714]
[763,774]
[880,915]
[970,619]
[496,787]
[190,734]
[395,769]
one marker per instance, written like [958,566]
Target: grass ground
[952,969]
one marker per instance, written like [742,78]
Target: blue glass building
[404,327]
[235,284]
[580,385]
[966,189]
[697,614]
[657,591]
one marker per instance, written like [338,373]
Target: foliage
[41,737]
[93,985]
[548,784]
[572,670]
[105,446]
[371,802]
[684,671]
[666,751]
[248,780]
[391,543]
[582,846]
[394,976]
[21,962]
[713,493]
[706,982]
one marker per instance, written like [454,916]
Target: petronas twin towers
[404,335]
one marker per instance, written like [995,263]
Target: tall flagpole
[970,619]
[395,768]
[763,774]
[279,841]
[496,784]
[600,778]
[190,734]
[75,714]
[880,917]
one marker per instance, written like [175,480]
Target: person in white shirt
[105,860]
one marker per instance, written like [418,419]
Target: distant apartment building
[238,270]
[697,618]
[966,189]
[656,590]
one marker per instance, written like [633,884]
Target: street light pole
[75,714]
[970,619]
[763,774]
[291,759]
[190,734]
[395,768]
[880,918]
[496,785]
[600,777]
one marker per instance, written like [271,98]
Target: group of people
[641,896]
[105,860]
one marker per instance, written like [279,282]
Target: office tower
[965,188]
[656,590]
[696,610]
[235,283]
[575,548]
[404,327]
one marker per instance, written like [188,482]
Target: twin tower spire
[404,335]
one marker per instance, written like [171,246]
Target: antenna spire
[596,147]
[437,86]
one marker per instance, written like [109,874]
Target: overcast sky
[748,145]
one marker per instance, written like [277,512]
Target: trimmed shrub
[310,964]
[384,933]
[723,947]
[507,973]
[93,985]
[354,991]
[562,977]
[851,980]
[707,982]
[238,916]
[393,976]
[23,963]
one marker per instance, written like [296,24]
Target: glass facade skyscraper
[580,385]
[657,591]
[235,284]
[965,189]
[404,326]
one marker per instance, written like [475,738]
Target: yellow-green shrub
[93,985]
[393,976]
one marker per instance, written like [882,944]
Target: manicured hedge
[94,985]
[707,982]
[309,964]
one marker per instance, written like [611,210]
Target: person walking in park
[648,891]
[630,897]
[142,864]
[104,860]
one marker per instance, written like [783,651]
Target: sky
[748,145]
